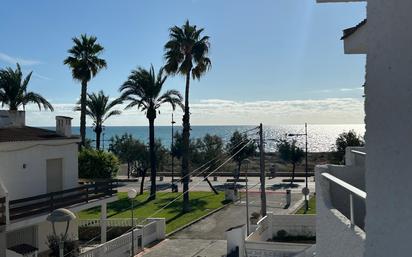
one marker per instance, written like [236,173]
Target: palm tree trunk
[293,173]
[83,113]
[152,160]
[98,133]
[185,156]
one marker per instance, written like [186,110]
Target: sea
[321,138]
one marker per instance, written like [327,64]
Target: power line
[172,201]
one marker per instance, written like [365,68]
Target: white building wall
[356,43]
[30,180]
[389,128]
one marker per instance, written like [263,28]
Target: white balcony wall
[334,234]
[23,166]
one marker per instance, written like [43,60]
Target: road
[207,238]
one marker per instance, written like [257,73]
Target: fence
[121,246]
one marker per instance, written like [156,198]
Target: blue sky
[280,60]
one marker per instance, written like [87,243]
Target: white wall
[388,128]
[25,182]
[294,225]
[334,234]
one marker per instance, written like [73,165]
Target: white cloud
[13,60]
[338,90]
[228,112]
[350,89]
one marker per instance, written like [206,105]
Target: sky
[273,61]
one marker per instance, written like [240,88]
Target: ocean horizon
[321,137]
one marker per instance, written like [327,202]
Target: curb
[197,220]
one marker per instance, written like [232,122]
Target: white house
[39,173]
[386,40]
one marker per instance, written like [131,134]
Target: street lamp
[61,215]
[246,162]
[174,187]
[131,194]
[305,191]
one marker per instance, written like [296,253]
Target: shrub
[344,140]
[95,164]
[282,234]
[70,249]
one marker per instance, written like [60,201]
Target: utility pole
[306,168]
[262,172]
[174,189]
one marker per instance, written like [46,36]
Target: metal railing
[358,152]
[353,191]
[46,203]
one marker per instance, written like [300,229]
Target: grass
[312,207]
[201,203]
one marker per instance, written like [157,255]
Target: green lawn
[312,207]
[201,203]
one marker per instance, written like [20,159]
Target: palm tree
[85,63]
[99,109]
[186,54]
[143,89]
[13,90]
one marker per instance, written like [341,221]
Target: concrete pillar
[236,238]
[388,128]
[103,223]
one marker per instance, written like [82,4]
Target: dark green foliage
[96,164]
[290,153]
[128,150]
[235,145]
[344,140]
[14,92]
[71,247]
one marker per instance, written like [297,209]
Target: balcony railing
[353,192]
[45,203]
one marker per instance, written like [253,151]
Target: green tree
[234,147]
[186,53]
[291,153]
[143,89]
[85,62]
[127,149]
[344,140]
[96,164]
[14,93]
[211,148]
[99,109]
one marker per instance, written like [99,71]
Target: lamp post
[61,215]
[246,162]
[131,194]
[174,189]
[306,189]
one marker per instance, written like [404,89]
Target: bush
[96,164]
[71,247]
[344,140]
